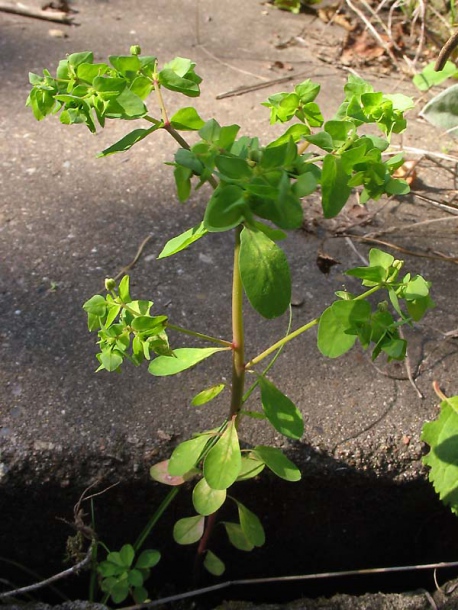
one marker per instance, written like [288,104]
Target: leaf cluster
[83,91]
[126,329]
[121,577]
[352,318]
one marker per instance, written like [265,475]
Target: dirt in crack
[318,525]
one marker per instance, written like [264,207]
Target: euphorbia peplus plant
[258,192]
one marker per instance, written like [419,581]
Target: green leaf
[442,110]
[334,186]
[148,559]
[232,167]
[223,462]
[225,209]
[189,529]
[96,306]
[127,141]
[186,455]
[184,358]
[150,325]
[110,360]
[123,290]
[207,395]
[140,595]
[251,467]
[187,119]
[251,525]
[127,554]
[284,416]
[277,462]
[428,77]
[213,564]
[237,537]
[335,324]
[125,63]
[120,591]
[135,578]
[265,274]
[442,437]
[183,241]
[160,473]
[207,500]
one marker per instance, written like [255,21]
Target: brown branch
[446,51]
[29,11]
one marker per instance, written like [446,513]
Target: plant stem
[155,518]
[299,331]
[238,354]
[193,333]
[203,544]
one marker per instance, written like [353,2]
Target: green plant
[257,194]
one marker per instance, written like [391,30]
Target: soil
[68,220]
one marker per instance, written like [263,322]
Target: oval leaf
[336,324]
[148,559]
[183,358]
[251,467]
[251,526]
[187,119]
[207,395]
[277,462]
[213,564]
[237,538]
[189,530]
[185,457]
[183,241]
[265,274]
[334,186]
[223,462]
[160,473]
[207,500]
[282,413]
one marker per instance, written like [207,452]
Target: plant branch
[193,333]
[238,355]
[155,518]
[48,581]
[298,332]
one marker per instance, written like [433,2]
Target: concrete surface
[68,220]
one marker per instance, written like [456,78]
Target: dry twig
[29,11]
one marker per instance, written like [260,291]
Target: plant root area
[316,526]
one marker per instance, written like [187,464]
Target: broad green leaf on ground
[334,186]
[189,529]
[183,241]
[278,463]
[223,462]
[428,77]
[336,322]
[442,437]
[207,500]
[213,564]
[237,537]
[184,358]
[207,395]
[265,274]
[281,412]
[442,110]
[186,455]
[251,525]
